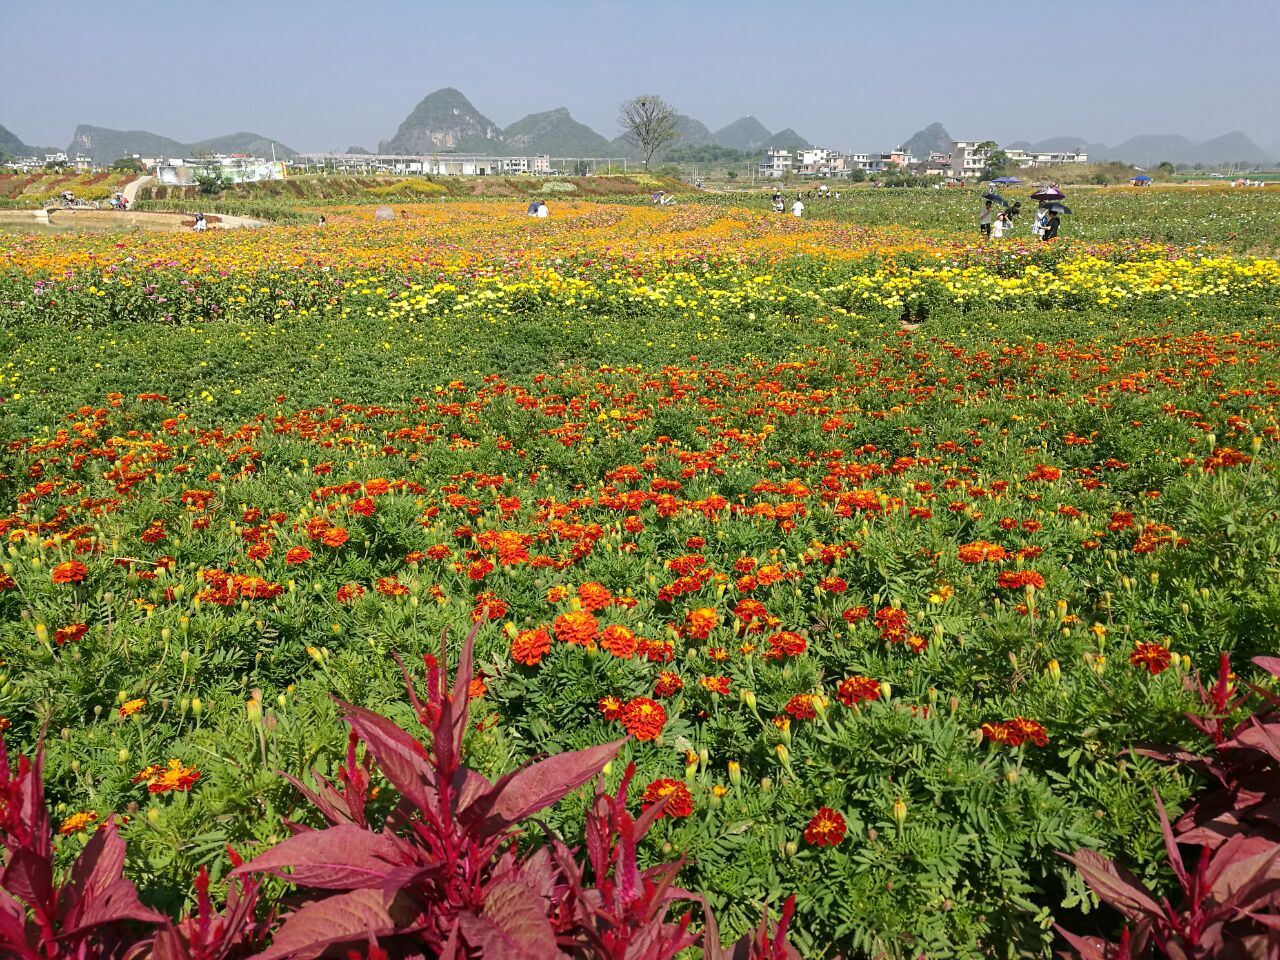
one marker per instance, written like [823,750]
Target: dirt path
[131,188]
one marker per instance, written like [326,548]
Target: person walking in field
[984,221]
[1051,228]
[1040,222]
[797,208]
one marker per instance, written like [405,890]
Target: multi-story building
[1032,158]
[777,163]
[968,159]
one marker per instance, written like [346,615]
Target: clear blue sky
[847,74]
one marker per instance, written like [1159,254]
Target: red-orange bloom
[619,641]
[853,690]
[1152,656]
[594,596]
[577,627]
[1015,732]
[348,592]
[801,706]
[334,537]
[718,685]
[680,803]
[701,622]
[165,779]
[981,551]
[826,829]
[70,633]
[610,706]
[70,571]
[644,718]
[297,555]
[1018,579]
[530,646]
[786,643]
[668,684]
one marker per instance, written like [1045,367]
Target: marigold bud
[197,707]
[1054,671]
[735,773]
[766,784]
[899,812]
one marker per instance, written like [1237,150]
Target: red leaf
[401,758]
[97,892]
[537,786]
[519,915]
[1089,948]
[29,877]
[1269,664]
[1259,736]
[342,857]
[1114,884]
[343,918]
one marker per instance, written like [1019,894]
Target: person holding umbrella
[1052,225]
[984,221]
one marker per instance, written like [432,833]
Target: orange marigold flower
[439,552]
[855,614]
[981,551]
[7,582]
[1018,579]
[530,646]
[335,537]
[801,706]
[699,623]
[610,706]
[594,596]
[349,591]
[826,829]
[1153,656]
[679,804]
[70,571]
[77,822]
[619,641]
[259,551]
[297,555]
[70,633]
[668,684]
[854,690]
[166,779]
[391,587]
[834,584]
[364,506]
[577,627]
[556,594]
[786,643]
[1015,732]
[718,685]
[643,718]
[130,707]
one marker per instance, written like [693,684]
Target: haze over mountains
[447,122]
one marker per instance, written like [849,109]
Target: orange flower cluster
[167,779]
[1015,732]
[1152,657]
[679,801]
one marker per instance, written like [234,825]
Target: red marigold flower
[610,706]
[892,623]
[491,602]
[826,829]
[744,564]
[594,596]
[391,587]
[1018,579]
[70,633]
[479,569]
[680,803]
[643,718]
[786,643]
[699,623]
[530,646]
[855,614]
[801,706]
[297,555]
[348,592]
[854,690]
[834,584]
[165,779]
[576,627]
[1152,656]
[364,506]
[668,684]
[334,537]
[70,571]
[439,551]
[981,551]
[556,594]
[619,641]
[718,685]
[77,822]
[1015,732]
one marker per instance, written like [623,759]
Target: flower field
[881,606]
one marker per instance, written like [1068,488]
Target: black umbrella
[1057,208]
[995,198]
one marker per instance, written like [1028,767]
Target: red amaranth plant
[43,916]
[442,873]
[1231,895]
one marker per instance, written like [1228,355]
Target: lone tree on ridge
[649,122]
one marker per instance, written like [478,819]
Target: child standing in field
[984,221]
[1039,223]
[797,208]
[1051,227]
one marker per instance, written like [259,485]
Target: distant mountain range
[447,122]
